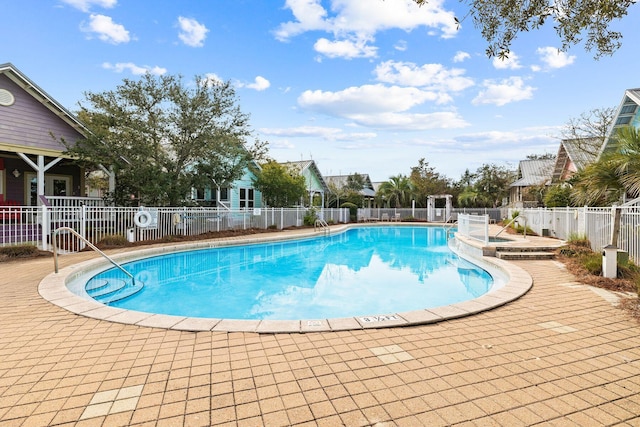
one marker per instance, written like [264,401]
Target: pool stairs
[523,253]
[107,291]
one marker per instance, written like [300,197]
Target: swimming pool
[361,271]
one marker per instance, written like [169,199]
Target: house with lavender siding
[32,159]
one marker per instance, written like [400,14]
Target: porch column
[40,168]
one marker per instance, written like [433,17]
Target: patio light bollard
[610,261]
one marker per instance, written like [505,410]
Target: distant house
[32,162]
[627,114]
[315,182]
[340,181]
[240,195]
[531,173]
[574,155]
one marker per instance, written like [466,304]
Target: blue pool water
[363,271]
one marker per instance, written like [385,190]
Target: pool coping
[53,288]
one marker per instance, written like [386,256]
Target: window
[628,109]
[246,198]
[623,120]
[224,194]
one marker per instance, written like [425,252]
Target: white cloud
[380,106]
[554,58]
[345,48]
[106,29]
[192,33]
[461,56]
[213,79]
[429,76]
[133,68]
[510,62]
[309,15]
[85,5]
[411,122]
[367,99]
[401,45]
[259,84]
[503,92]
[362,19]
[326,133]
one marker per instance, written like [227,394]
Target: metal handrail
[450,226]
[78,235]
[524,233]
[322,224]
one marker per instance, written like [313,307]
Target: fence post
[83,225]
[615,225]
[46,224]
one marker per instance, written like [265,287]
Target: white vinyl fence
[36,225]
[474,227]
[595,224]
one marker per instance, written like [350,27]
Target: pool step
[109,290]
[516,253]
[122,293]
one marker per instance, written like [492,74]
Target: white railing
[35,225]
[63,201]
[422,214]
[595,224]
[474,227]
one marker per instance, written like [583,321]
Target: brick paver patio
[561,355]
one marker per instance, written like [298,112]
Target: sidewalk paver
[560,355]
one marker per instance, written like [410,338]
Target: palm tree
[396,191]
[627,159]
[598,184]
[614,175]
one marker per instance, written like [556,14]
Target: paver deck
[560,355]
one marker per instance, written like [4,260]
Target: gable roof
[339,181]
[579,152]
[20,79]
[534,172]
[310,165]
[627,114]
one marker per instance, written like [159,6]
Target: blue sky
[367,86]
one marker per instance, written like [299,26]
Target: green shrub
[592,262]
[353,210]
[19,251]
[310,217]
[273,227]
[520,229]
[112,240]
[579,240]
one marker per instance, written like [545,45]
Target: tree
[493,181]
[589,131]
[598,184]
[396,192]
[558,195]
[501,21]
[545,156]
[349,192]
[161,137]
[425,181]
[280,186]
[487,187]
[355,182]
[627,158]
[615,175]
